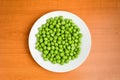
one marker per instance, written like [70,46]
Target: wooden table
[102,18]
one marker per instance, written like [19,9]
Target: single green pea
[80,35]
[55,37]
[54,30]
[57,57]
[68,47]
[47,24]
[60,50]
[51,59]
[59,38]
[58,30]
[45,42]
[76,40]
[69,38]
[48,44]
[58,61]
[70,42]
[62,31]
[52,34]
[46,59]
[56,44]
[64,57]
[67,60]
[44,47]
[66,51]
[51,26]
[43,55]
[43,25]
[45,39]
[47,32]
[40,49]
[48,48]
[51,38]
[60,46]
[50,31]
[46,52]
[37,43]
[53,47]
[44,35]
[37,35]
[57,26]
[56,51]
[36,47]
[72,57]
[57,48]
[48,20]
[62,63]
[51,19]
[62,27]
[64,46]
[42,44]
[54,41]
[56,18]
[51,51]
[67,54]
[59,42]
[63,42]
[71,54]
[49,55]
[58,34]
[54,62]
[62,54]
[63,22]
[61,17]
[66,20]
[59,23]
[40,28]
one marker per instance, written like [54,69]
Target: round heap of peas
[59,40]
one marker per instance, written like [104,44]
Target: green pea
[44,47]
[53,47]
[66,61]
[57,57]
[60,46]
[51,59]
[54,29]
[48,48]
[37,35]
[51,26]
[59,38]
[57,26]
[58,61]
[46,59]
[61,17]
[59,42]
[54,62]
[44,55]
[64,57]
[63,42]
[56,44]
[62,54]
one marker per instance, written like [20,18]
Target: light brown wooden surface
[102,18]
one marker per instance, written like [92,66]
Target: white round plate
[85,47]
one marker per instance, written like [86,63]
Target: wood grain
[102,18]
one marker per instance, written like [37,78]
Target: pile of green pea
[59,40]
